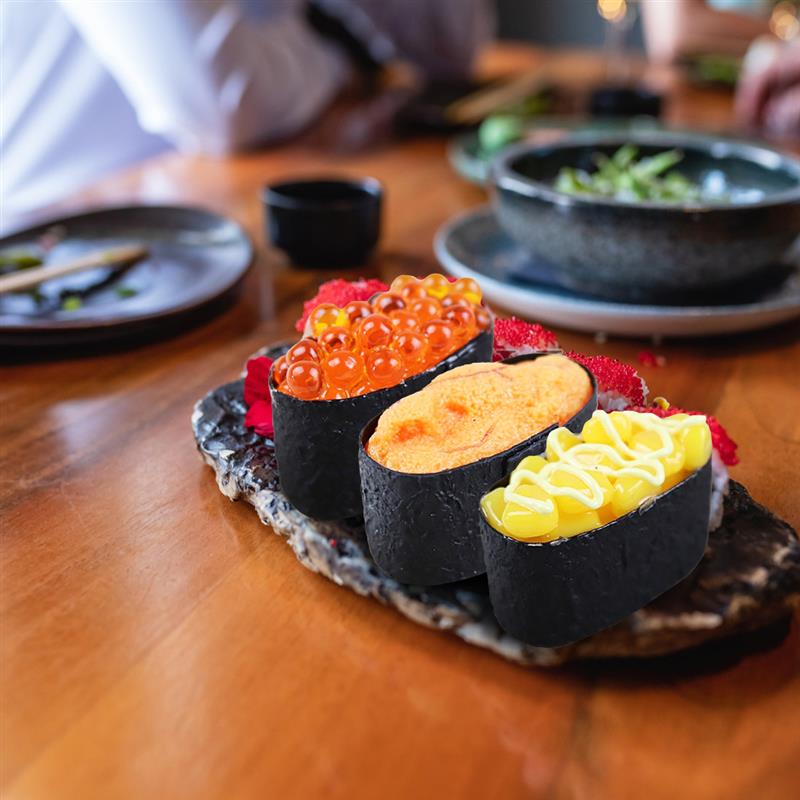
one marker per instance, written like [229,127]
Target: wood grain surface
[159,642]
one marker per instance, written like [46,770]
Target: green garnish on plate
[623,177]
[17,259]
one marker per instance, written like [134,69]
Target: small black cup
[624,101]
[326,222]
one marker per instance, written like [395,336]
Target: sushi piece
[353,363]
[426,461]
[600,524]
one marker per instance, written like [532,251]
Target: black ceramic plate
[196,261]
[749,577]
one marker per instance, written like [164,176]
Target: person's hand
[769,100]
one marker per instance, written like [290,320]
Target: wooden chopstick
[33,276]
[478,105]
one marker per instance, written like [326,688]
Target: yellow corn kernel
[673,463]
[697,446]
[532,464]
[573,524]
[605,486]
[593,458]
[622,424]
[594,431]
[548,537]
[673,480]
[565,438]
[645,441]
[629,491]
[524,524]
[648,441]
[493,504]
[606,514]
[569,505]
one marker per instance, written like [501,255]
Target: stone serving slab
[749,576]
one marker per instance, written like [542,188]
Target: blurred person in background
[90,87]
[676,29]
[768,99]
[764,32]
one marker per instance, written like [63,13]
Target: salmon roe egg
[413,291]
[356,310]
[384,367]
[336,338]
[483,319]
[441,336]
[304,379]
[469,289]
[374,331]
[425,309]
[325,315]
[400,283]
[413,349]
[304,350]
[462,319]
[387,301]
[344,370]
[436,285]
[403,320]
[455,299]
[279,368]
[361,388]
[333,393]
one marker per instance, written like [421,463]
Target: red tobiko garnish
[256,396]
[647,358]
[514,337]
[340,292]
[615,380]
[720,440]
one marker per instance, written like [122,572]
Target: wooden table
[158,641]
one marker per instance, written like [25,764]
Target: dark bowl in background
[649,251]
[324,223]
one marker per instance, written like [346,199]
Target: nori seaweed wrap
[550,594]
[424,528]
[317,441]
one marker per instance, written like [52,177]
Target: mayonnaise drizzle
[627,461]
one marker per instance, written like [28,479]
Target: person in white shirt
[90,86]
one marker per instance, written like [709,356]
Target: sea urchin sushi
[426,461]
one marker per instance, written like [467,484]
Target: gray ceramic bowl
[651,251]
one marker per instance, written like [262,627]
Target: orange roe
[304,350]
[477,410]
[304,379]
[372,344]
[337,338]
[374,331]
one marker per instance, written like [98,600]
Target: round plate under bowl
[196,261]
[474,246]
[643,250]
